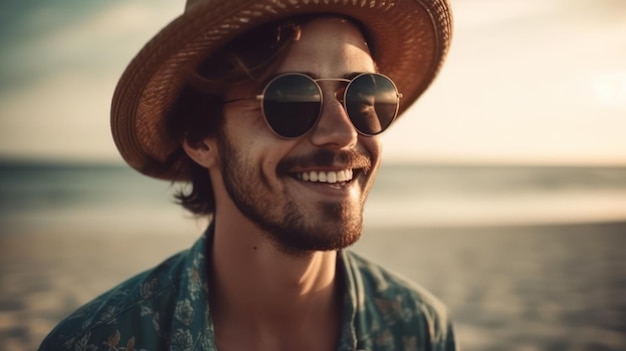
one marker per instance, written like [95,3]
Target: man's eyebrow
[348,76]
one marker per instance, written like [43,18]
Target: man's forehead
[328,47]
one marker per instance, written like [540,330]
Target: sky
[526,82]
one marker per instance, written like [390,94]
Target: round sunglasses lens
[291,104]
[372,103]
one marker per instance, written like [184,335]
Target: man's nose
[334,128]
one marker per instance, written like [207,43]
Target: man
[271,111]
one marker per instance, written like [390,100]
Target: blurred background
[503,190]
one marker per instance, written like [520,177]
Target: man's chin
[323,239]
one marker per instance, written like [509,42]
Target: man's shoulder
[128,305]
[394,305]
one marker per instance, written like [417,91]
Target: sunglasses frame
[315,81]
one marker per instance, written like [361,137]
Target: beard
[329,226]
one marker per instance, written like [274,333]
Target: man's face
[271,180]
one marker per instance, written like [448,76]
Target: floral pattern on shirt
[166,308]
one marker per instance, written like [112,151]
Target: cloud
[105,38]
[58,85]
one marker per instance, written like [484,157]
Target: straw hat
[410,39]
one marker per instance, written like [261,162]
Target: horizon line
[7,160]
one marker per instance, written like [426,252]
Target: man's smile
[327,168]
[332,177]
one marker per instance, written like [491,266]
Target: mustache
[327,158]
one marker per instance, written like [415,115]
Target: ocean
[526,258]
[34,194]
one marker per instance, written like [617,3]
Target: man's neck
[265,298]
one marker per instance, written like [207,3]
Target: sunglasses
[291,103]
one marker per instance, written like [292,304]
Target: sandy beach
[509,288]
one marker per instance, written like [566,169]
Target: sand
[509,288]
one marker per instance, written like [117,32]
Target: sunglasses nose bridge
[332,91]
[334,125]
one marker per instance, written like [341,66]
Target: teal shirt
[166,308]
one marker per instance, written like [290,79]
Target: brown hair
[197,113]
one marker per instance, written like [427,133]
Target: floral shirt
[166,308]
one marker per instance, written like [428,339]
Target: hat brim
[409,40]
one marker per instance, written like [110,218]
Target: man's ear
[203,152]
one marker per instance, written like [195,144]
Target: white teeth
[342,176]
[330,177]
